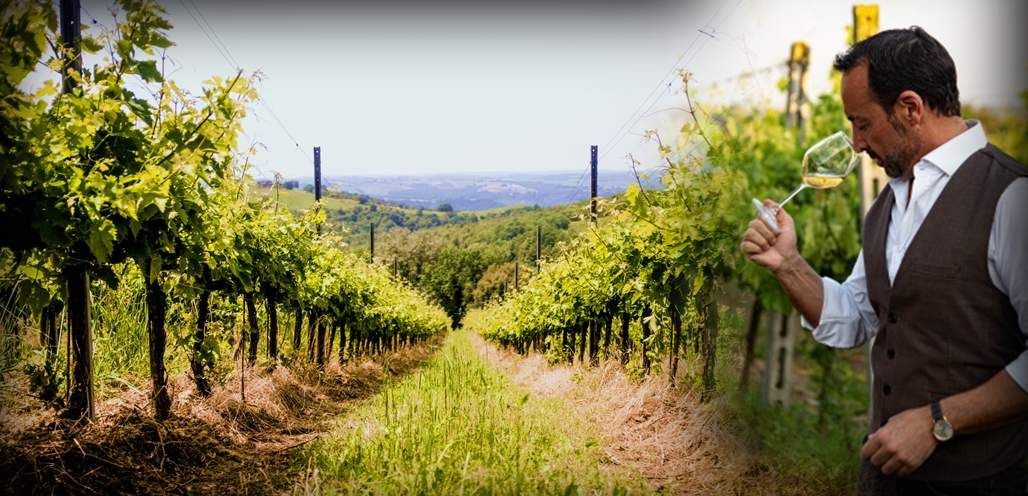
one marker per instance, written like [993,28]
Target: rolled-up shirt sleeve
[1018,370]
[1008,263]
[847,318]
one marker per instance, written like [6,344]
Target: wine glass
[825,165]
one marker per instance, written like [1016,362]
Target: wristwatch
[942,430]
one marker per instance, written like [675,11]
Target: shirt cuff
[1018,370]
[806,323]
[840,325]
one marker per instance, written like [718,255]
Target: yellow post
[796,99]
[872,178]
[865,21]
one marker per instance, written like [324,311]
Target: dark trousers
[1010,482]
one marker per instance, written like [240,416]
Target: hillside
[482,190]
[351,214]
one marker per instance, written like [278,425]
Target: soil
[215,445]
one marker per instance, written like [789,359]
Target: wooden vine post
[272,328]
[196,359]
[156,310]
[251,323]
[778,377]
[80,397]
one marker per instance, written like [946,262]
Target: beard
[903,156]
[893,164]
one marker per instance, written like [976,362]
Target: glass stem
[801,187]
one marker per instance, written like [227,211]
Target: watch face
[943,431]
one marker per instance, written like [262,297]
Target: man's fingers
[870,447]
[763,230]
[759,241]
[892,466]
[881,457]
[756,239]
[760,234]
[750,248]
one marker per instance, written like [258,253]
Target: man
[941,281]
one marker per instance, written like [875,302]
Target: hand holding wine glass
[770,249]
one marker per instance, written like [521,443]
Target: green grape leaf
[101,240]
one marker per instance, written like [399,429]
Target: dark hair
[906,59]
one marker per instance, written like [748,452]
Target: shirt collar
[948,156]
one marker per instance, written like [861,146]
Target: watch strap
[936,410]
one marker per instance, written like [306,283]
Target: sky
[420,87]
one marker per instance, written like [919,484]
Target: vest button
[887,389]
[891,354]
[892,318]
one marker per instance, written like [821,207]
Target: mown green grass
[298,200]
[458,426]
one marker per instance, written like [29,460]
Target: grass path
[459,426]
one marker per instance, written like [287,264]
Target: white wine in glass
[825,165]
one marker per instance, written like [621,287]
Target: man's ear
[910,108]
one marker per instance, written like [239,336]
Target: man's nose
[859,143]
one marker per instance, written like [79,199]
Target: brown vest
[944,327]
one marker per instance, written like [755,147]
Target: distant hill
[351,213]
[482,190]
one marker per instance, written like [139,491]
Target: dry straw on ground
[677,443]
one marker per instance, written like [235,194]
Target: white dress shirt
[847,319]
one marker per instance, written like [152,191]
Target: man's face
[885,137]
